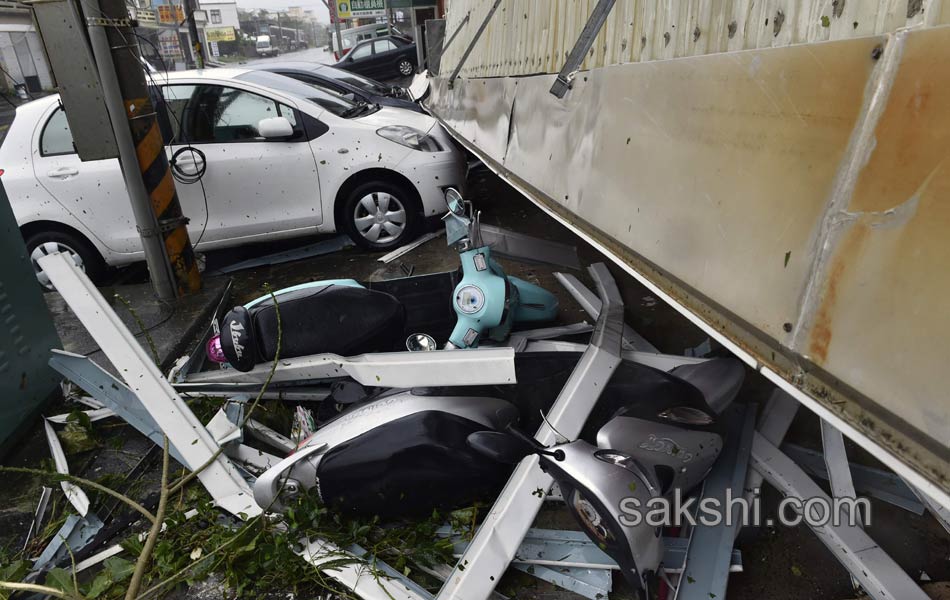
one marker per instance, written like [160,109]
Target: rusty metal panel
[881,318]
[527,37]
[788,198]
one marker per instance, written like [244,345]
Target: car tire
[405,67]
[84,254]
[380,215]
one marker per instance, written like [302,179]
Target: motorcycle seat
[719,379]
[332,319]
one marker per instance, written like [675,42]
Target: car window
[383,46]
[360,52]
[319,95]
[56,137]
[353,79]
[219,114]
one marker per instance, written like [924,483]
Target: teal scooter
[487,301]
[346,317]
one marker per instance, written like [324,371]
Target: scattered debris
[76,496]
[388,258]
[318,249]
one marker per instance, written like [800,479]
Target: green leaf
[796,571]
[100,584]
[788,255]
[15,571]
[825,21]
[119,569]
[632,486]
[61,580]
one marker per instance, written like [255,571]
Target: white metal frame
[477,366]
[156,395]
[878,574]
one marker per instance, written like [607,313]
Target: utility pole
[389,15]
[155,206]
[197,46]
[335,19]
[280,33]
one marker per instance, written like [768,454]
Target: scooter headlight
[470,299]
[591,519]
[410,138]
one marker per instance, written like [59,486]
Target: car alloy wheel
[405,67]
[380,217]
[47,248]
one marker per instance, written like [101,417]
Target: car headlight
[410,138]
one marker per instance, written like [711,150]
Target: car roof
[222,73]
[295,65]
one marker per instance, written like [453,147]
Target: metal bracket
[166,225]
[574,60]
[458,29]
[471,45]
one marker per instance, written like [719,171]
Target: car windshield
[359,81]
[335,103]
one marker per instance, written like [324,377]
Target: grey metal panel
[74,72]
[787,200]
[535,36]
[28,334]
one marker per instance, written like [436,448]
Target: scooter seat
[719,379]
[333,319]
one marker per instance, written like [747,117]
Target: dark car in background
[345,83]
[383,58]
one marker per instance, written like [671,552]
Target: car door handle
[63,172]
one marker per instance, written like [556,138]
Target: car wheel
[380,216]
[405,67]
[84,255]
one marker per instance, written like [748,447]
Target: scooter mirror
[455,202]
[503,447]
[420,342]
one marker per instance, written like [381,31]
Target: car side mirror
[275,128]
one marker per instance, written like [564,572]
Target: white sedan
[278,159]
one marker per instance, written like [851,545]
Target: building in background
[163,33]
[221,30]
[22,58]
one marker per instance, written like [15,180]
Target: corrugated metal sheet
[791,198]
[527,37]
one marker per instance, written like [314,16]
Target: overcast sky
[320,10]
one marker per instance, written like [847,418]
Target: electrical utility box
[62,27]
[26,380]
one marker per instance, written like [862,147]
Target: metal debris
[76,496]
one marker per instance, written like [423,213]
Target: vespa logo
[666,446]
[236,330]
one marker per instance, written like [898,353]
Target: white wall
[229,16]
